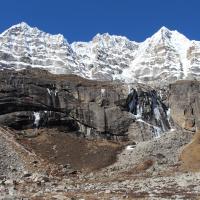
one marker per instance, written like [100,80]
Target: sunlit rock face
[22,46]
[184,101]
[167,55]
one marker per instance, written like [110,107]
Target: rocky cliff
[184,103]
[35,98]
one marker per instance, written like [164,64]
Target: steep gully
[34,98]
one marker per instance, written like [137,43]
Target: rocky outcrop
[35,98]
[151,114]
[184,102]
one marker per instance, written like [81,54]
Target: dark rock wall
[151,114]
[34,98]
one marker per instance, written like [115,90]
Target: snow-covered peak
[166,55]
[164,29]
[161,36]
[22,46]
[106,40]
[22,25]
[166,35]
[23,29]
[105,56]
[16,29]
[163,33]
[161,56]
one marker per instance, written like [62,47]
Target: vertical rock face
[36,98]
[184,102]
[149,111]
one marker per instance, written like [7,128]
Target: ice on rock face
[49,91]
[169,120]
[37,119]
[103,90]
[147,109]
[156,131]
[157,113]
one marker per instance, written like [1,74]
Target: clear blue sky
[82,19]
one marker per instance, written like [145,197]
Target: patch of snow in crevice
[130,147]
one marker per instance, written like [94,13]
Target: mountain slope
[167,55]
[22,46]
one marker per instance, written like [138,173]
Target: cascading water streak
[37,119]
[147,109]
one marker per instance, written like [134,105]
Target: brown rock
[190,155]
[184,100]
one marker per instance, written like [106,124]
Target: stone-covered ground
[143,173]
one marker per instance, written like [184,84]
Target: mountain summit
[167,55]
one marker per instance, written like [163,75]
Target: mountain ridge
[166,55]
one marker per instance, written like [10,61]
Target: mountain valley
[106,119]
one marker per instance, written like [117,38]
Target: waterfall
[147,108]
[158,117]
[168,119]
[49,91]
[37,119]
[103,90]
[55,92]
[157,113]
[156,130]
[53,97]
[139,112]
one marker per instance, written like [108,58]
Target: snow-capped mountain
[167,55]
[22,46]
[106,56]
